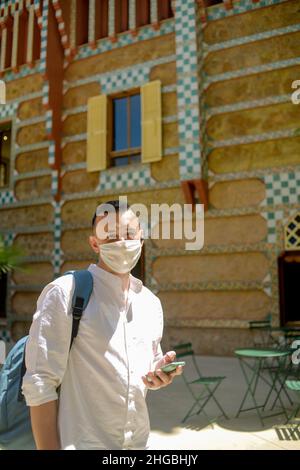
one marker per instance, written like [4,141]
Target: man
[105,376]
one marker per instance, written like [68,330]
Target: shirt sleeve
[47,347]
[156,346]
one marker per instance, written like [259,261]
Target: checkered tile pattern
[56,254]
[51,153]
[24,72]
[241,6]
[272,217]
[44,36]
[8,239]
[127,177]
[45,99]
[187,89]
[282,188]
[61,23]
[49,122]
[54,182]
[8,110]
[124,79]
[6,197]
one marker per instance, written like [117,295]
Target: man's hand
[159,378]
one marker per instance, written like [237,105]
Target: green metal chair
[289,372]
[206,385]
[295,386]
[263,330]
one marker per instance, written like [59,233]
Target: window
[3,293]
[101,26]
[36,52]
[9,41]
[126,130]
[288,274]
[164,9]
[82,26]
[143,13]
[121,16]
[5,140]
[22,37]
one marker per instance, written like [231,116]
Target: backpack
[15,423]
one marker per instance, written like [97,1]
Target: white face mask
[121,256]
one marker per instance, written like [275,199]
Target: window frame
[126,152]
[4,123]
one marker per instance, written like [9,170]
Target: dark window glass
[9,41]
[142,12]
[135,121]
[82,17]
[121,15]
[164,9]
[101,19]
[126,123]
[120,124]
[5,143]
[22,38]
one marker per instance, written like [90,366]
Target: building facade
[212,82]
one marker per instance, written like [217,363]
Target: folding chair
[288,372]
[262,328]
[295,386]
[207,385]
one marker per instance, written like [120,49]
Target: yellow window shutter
[151,122]
[97,133]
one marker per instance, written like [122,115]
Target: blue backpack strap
[81,296]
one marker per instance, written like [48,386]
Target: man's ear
[93,243]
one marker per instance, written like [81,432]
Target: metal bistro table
[253,362]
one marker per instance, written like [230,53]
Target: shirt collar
[113,280]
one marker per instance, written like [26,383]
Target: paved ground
[167,407]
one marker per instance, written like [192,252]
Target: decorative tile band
[219,11]
[247,139]
[57,253]
[187,89]
[135,177]
[242,105]
[144,33]
[252,38]
[251,70]
[107,76]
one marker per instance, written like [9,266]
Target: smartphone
[171,366]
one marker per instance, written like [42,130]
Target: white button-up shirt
[102,396]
